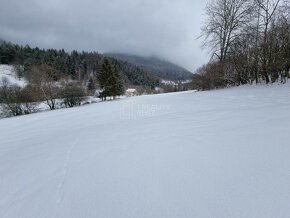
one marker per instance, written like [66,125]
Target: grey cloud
[144,27]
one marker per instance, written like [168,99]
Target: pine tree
[109,80]
[118,87]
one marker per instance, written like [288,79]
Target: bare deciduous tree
[16,100]
[225,19]
[251,40]
[73,94]
[44,78]
[266,11]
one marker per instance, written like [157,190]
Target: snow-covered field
[221,154]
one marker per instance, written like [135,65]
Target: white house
[131,92]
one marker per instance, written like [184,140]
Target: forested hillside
[77,65]
[163,69]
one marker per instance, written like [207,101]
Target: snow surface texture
[221,154]
[8,71]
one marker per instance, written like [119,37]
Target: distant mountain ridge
[161,68]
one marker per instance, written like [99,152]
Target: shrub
[17,101]
[73,94]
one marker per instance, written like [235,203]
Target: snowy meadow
[221,153]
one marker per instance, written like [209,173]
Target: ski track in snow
[64,174]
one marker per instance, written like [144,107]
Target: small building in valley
[131,92]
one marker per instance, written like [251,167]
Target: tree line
[249,41]
[64,79]
[16,100]
[46,85]
[79,66]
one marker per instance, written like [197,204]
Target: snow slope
[221,154]
[8,71]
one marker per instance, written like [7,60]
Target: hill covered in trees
[161,68]
[79,66]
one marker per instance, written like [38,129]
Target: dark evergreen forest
[78,66]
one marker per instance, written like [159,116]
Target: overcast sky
[166,28]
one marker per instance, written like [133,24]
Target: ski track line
[65,169]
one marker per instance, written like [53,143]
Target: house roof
[131,90]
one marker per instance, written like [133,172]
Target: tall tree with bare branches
[225,19]
[266,14]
